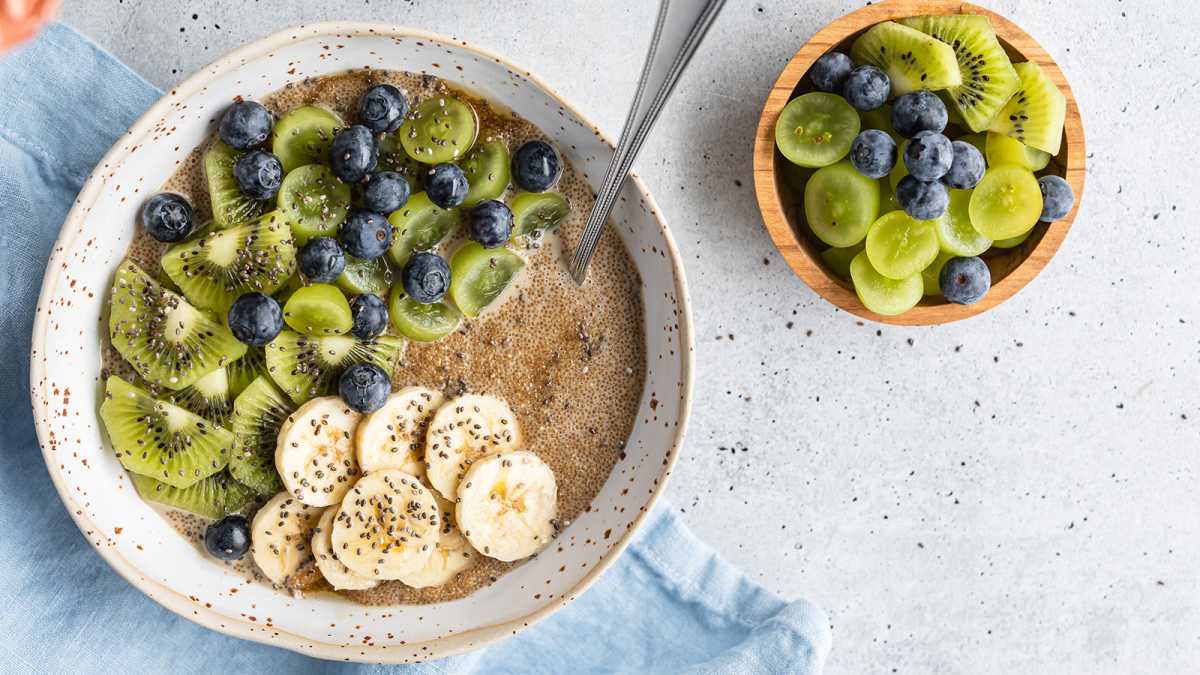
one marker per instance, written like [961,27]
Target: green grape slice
[318,310]
[314,202]
[421,322]
[1006,203]
[816,129]
[838,259]
[538,211]
[365,276]
[1002,149]
[419,225]
[954,230]
[899,246]
[303,136]
[487,172]
[929,276]
[392,157]
[479,275]
[440,129]
[880,294]
[881,119]
[1012,242]
[840,204]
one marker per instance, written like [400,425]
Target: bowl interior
[68,383]
[780,186]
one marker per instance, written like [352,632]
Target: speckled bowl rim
[178,603]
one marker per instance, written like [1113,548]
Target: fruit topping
[967,167]
[258,414]
[840,204]
[919,111]
[365,276]
[353,153]
[258,174]
[899,247]
[382,108]
[1006,203]
[370,316]
[167,217]
[211,497]
[305,366]
[923,200]
[314,201]
[319,309]
[867,88]
[508,505]
[228,538]
[280,536]
[873,153]
[446,185]
[490,223]
[829,73]
[393,437]
[365,234]
[881,294]
[303,136]
[536,166]
[533,211]
[955,232]
[816,129]
[365,387]
[255,319]
[479,275]
[245,125]
[230,206]
[965,281]
[487,170]
[321,260]
[1035,115]
[385,191]
[1057,198]
[440,129]
[208,397]
[1001,149]
[419,226]
[928,155]
[426,277]
[423,322]
[376,539]
[911,59]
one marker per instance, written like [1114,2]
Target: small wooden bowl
[782,205]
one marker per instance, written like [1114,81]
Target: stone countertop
[1013,493]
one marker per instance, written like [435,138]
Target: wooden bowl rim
[809,268]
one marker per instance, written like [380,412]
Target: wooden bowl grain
[782,205]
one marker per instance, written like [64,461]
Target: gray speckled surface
[1015,493]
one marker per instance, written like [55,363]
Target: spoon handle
[680,28]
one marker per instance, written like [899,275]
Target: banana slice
[462,431]
[393,437]
[387,525]
[507,504]
[338,575]
[280,534]
[451,555]
[314,453]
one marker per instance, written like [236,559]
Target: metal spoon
[680,28]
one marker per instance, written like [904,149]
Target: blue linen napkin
[670,604]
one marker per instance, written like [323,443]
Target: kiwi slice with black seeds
[305,366]
[1036,113]
[242,372]
[229,205]
[214,497]
[911,59]
[166,340]
[988,77]
[215,270]
[161,440]
[258,413]
[208,397]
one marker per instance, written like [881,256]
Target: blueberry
[426,277]
[923,200]
[245,125]
[167,217]
[321,260]
[258,174]
[382,108]
[867,88]
[966,170]
[353,154]
[1057,198]
[830,71]
[964,281]
[255,319]
[228,538]
[919,111]
[535,166]
[370,316]
[873,153]
[446,185]
[490,223]
[928,155]
[365,234]
[365,387]
[384,191]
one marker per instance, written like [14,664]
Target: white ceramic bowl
[142,547]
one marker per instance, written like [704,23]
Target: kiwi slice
[314,202]
[838,259]
[305,366]
[1036,113]
[533,211]
[816,129]
[229,205]
[258,413]
[487,172]
[479,275]
[319,309]
[159,439]
[365,276]
[214,270]
[419,225]
[440,129]
[214,497]
[303,136]
[208,397]
[243,371]
[166,340]
[911,59]
[988,77]
[421,322]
